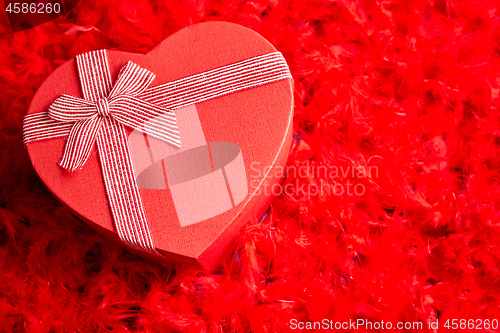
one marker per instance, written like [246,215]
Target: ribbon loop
[132,80]
[151,119]
[71,109]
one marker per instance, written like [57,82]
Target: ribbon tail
[121,186]
[79,143]
[151,119]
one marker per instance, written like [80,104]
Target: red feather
[408,90]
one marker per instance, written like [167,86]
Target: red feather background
[409,88]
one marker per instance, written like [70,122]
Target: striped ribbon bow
[105,109]
[122,105]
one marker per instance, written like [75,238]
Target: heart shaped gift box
[170,152]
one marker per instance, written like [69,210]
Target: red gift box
[232,141]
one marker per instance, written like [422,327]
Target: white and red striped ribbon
[105,110]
